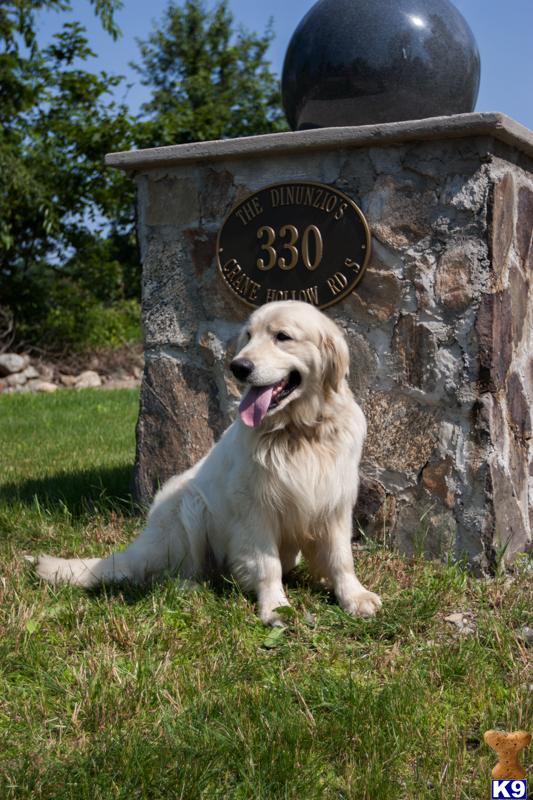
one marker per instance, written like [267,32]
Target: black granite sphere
[359,62]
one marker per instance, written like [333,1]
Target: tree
[69,271]
[209,80]
[58,203]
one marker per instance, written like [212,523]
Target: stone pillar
[440,327]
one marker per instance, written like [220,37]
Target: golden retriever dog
[281,481]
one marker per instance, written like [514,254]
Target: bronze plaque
[294,241]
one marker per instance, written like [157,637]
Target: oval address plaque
[294,241]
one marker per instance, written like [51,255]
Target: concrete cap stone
[459,126]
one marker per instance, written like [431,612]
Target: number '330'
[292,238]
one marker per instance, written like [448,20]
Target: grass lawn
[120,694]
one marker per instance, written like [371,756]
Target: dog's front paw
[273,620]
[363,604]
[276,617]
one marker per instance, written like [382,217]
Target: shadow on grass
[81,492]
[221,584]
[218,581]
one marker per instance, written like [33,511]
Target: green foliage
[86,324]
[91,301]
[208,80]
[69,270]
[56,196]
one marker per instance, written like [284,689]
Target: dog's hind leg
[173,541]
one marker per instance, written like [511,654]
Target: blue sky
[504,32]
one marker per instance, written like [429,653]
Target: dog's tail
[85,572]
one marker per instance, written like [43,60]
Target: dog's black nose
[242,368]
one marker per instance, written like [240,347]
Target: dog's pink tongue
[254,405]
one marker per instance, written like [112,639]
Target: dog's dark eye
[283,337]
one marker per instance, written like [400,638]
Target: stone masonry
[440,327]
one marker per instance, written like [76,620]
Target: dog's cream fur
[262,495]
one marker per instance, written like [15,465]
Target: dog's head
[291,357]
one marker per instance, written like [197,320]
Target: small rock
[137,371]
[88,380]
[121,383]
[526,634]
[68,380]
[16,379]
[46,386]
[455,619]
[12,362]
[30,373]
[42,386]
[463,621]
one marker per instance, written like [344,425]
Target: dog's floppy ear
[336,358]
